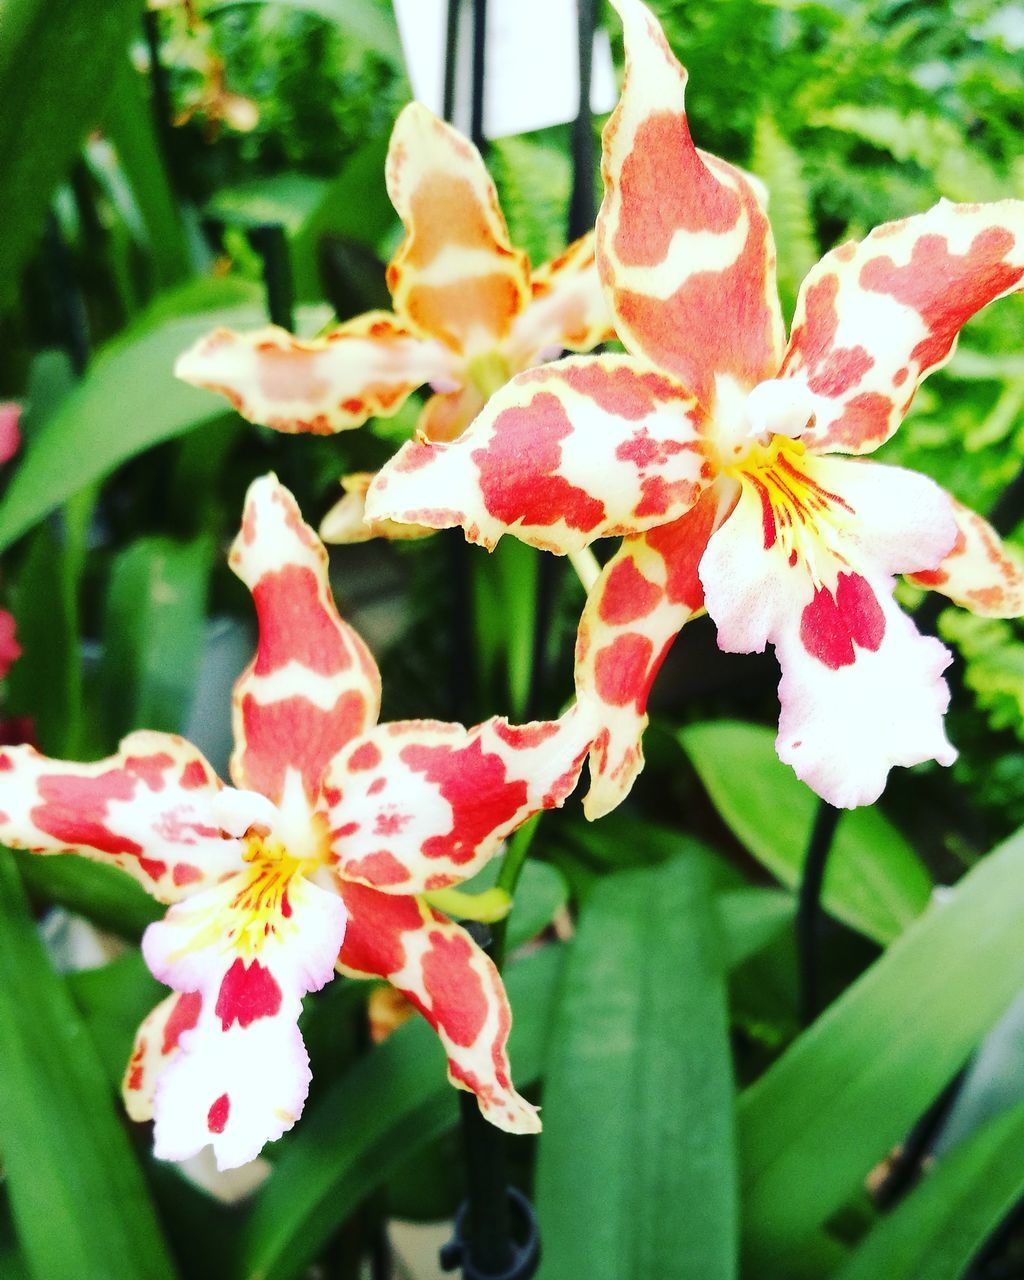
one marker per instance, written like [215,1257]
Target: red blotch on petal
[246,994]
[627,595]
[945,288]
[381,867]
[365,757]
[296,625]
[474,784]
[523,736]
[217,1116]
[832,624]
[376,921]
[184,1017]
[194,775]
[620,669]
[74,810]
[518,469]
[458,1002]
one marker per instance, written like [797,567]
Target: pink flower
[712,449]
[316,859]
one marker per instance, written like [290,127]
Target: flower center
[798,515]
[747,423]
[260,908]
[488,372]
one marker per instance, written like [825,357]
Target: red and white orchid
[319,859]
[712,450]
[468,314]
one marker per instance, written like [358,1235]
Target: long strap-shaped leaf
[851,1087]
[636,1175]
[79,1201]
[936,1232]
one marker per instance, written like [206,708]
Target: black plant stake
[1005,516]
[496,1235]
[581,219]
[268,239]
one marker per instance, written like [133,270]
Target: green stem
[508,878]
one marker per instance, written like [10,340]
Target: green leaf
[394,1100]
[850,1088]
[370,23]
[533,177]
[934,143]
[874,881]
[778,164]
[354,205]
[130,127]
[113,1000]
[937,1230]
[749,920]
[79,1202]
[104,895]
[58,59]
[128,401]
[153,633]
[46,681]
[636,1175]
[993,665]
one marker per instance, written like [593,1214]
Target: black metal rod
[270,243]
[451,48]
[490,1241]
[581,202]
[476,117]
[580,220]
[808,910]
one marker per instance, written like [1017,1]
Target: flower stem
[808,910]
[587,569]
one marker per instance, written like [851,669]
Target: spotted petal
[861,690]
[563,454]
[684,246]
[567,310]
[644,596]
[365,368]
[156,1045]
[448,413]
[453,984]
[455,275]
[155,809]
[981,573]
[251,948]
[313,685]
[418,804]
[346,521]
[875,317]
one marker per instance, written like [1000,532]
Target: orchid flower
[712,450]
[468,314]
[318,858]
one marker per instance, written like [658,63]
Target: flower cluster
[713,447]
[468,314]
[316,859]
